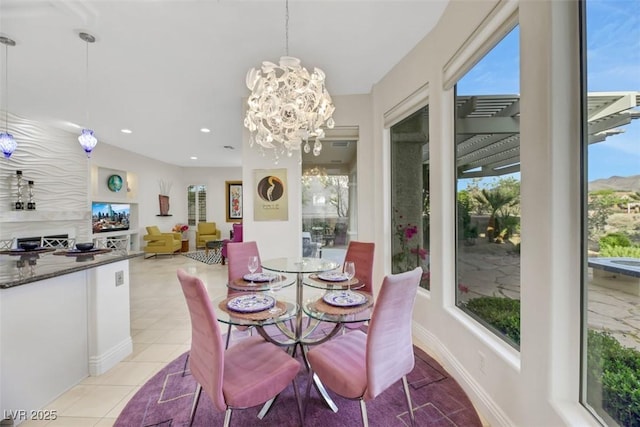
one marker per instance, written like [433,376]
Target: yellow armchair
[162,243]
[205,232]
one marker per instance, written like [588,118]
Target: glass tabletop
[311,309]
[318,283]
[299,265]
[247,286]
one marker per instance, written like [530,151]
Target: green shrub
[613,370]
[615,239]
[620,251]
[501,313]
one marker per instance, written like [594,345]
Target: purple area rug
[165,400]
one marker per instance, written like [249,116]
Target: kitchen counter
[63,317]
[27,267]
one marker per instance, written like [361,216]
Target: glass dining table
[317,311]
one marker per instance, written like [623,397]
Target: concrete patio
[489,269]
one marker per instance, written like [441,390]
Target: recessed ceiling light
[229,147]
[126,131]
[205,130]
[193,158]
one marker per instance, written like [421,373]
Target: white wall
[148,173]
[283,238]
[538,385]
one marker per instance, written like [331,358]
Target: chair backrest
[361,254]
[389,342]
[237,232]
[153,230]
[206,360]
[207,228]
[238,254]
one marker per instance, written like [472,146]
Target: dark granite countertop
[22,268]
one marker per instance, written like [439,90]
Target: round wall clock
[114,182]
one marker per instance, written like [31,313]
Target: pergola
[488,129]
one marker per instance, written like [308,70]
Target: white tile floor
[160,330]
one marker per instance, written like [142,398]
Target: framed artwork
[233,197]
[270,195]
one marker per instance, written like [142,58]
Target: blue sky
[613,64]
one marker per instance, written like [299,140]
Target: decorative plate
[332,276]
[258,277]
[114,182]
[344,298]
[250,303]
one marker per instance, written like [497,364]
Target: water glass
[349,272]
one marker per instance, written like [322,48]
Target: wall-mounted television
[110,216]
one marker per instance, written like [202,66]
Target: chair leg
[363,410]
[226,346]
[184,368]
[194,406]
[405,385]
[227,417]
[300,409]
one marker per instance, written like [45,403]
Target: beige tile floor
[160,330]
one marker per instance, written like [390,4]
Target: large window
[197,204]
[410,194]
[611,206]
[487,138]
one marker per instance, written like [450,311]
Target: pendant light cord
[6,88]
[286,27]
[86,92]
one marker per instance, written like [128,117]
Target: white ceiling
[165,69]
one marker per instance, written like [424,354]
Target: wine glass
[252,265]
[350,272]
[275,284]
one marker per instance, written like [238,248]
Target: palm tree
[496,199]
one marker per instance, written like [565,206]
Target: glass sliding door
[329,200]
[611,210]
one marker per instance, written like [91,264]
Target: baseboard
[484,403]
[100,364]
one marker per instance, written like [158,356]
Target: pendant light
[288,105]
[7,143]
[87,139]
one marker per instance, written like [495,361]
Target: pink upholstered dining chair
[361,366]
[237,237]
[245,375]
[239,254]
[361,254]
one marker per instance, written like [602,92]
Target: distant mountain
[617,183]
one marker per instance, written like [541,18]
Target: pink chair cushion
[340,364]
[255,371]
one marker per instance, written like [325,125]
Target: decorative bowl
[84,246]
[28,246]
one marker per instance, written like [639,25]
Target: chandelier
[287,105]
[7,143]
[315,171]
[86,139]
